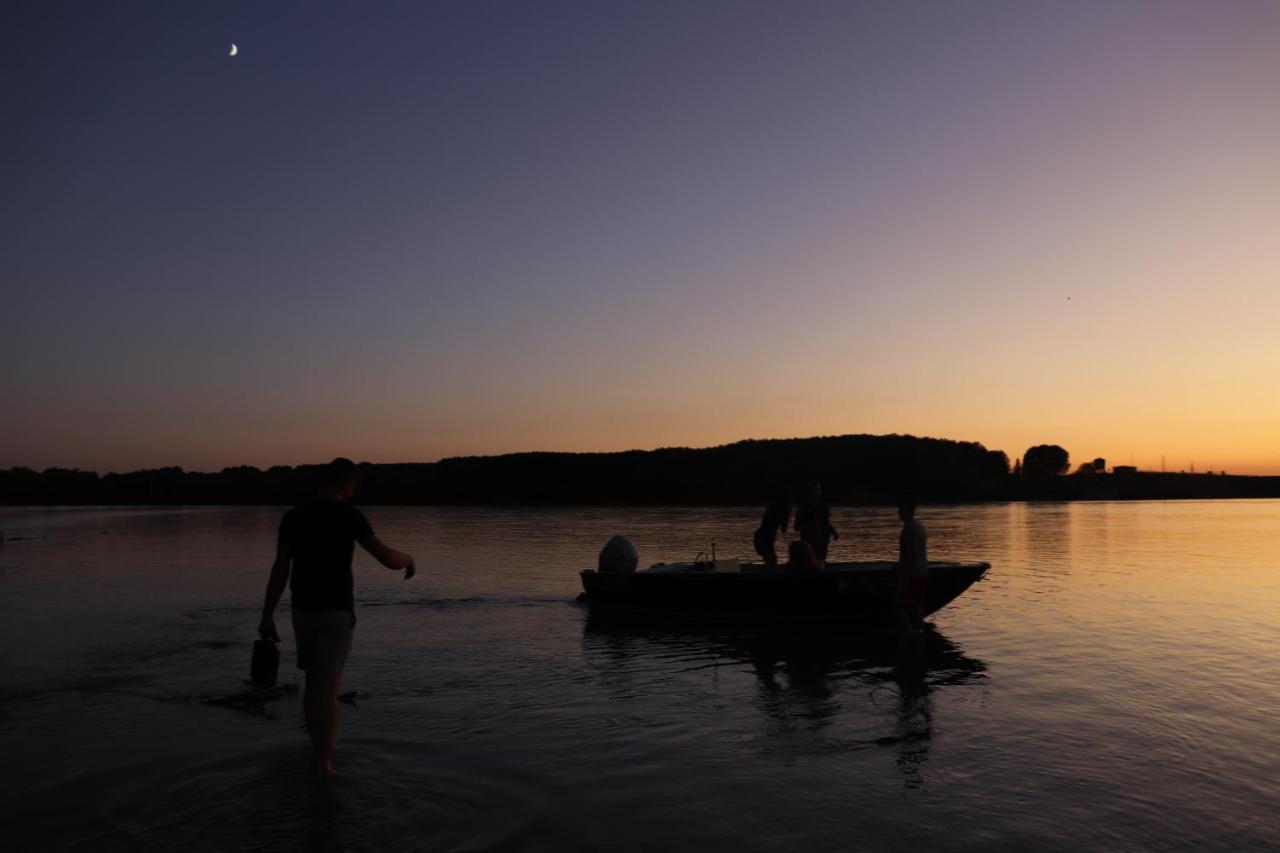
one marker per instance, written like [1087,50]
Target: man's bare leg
[311,710]
[321,707]
[333,685]
[903,618]
[901,610]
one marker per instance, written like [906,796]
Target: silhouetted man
[317,539]
[913,568]
[813,521]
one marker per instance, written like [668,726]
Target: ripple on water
[390,795]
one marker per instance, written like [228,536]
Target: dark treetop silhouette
[1045,460]
[852,468]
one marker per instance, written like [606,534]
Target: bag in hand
[266,663]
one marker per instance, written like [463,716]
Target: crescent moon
[234,50]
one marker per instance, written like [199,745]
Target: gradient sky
[401,231]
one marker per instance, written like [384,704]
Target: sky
[405,231]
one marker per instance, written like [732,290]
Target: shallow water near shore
[1113,683]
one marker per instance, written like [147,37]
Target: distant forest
[852,469]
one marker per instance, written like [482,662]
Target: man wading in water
[318,539]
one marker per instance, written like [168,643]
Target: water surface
[1113,683]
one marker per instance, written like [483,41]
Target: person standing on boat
[913,568]
[316,543]
[813,521]
[775,518]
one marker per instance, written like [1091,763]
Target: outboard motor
[618,555]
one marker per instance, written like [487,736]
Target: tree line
[852,469]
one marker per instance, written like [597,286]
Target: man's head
[906,508]
[338,480]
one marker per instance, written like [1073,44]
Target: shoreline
[1052,492]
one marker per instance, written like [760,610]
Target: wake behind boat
[860,593]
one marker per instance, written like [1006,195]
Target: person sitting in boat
[813,521]
[618,555]
[801,558]
[774,520]
[913,568]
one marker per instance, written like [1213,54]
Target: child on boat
[802,558]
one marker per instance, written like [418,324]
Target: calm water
[1113,684]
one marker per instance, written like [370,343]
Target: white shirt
[913,561]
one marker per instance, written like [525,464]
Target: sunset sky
[402,231]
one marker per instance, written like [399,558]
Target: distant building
[1125,469]
[1100,465]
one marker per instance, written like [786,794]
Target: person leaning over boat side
[774,520]
[913,568]
[317,540]
[813,521]
[802,559]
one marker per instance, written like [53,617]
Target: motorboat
[742,591]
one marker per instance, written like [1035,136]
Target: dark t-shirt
[323,535]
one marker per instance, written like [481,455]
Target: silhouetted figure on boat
[813,521]
[316,543]
[774,521]
[913,568]
[801,558]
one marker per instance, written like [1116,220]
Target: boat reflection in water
[820,690]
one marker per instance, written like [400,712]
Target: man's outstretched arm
[389,557]
[275,589]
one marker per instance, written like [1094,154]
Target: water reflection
[292,810]
[1047,538]
[323,828]
[812,685]
[807,677]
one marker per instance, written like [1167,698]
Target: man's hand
[389,557]
[267,629]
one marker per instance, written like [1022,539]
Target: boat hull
[843,592]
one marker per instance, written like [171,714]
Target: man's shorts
[323,638]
